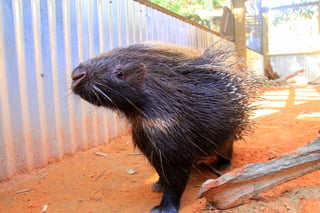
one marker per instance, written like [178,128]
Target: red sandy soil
[87,182]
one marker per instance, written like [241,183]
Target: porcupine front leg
[173,178]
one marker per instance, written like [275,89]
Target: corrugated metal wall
[289,63]
[40,42]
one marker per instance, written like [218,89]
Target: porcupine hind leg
[224,161]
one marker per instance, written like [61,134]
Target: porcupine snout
[77,76]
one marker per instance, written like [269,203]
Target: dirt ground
[289,118]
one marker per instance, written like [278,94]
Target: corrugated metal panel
[40,42]
[289,63]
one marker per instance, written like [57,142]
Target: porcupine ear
[135,73]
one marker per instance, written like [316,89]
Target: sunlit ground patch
[310,116]
[274,101]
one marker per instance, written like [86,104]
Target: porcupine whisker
[100,99]
[104,95]
[90,98]
[96,95]
[70,96]
[130,102]
[69,93]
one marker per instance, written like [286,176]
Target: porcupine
[182,106]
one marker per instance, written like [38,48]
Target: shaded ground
[87,182]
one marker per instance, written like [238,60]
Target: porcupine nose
[77,76]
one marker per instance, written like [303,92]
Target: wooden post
[240,27]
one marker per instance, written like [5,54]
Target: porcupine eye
[118,73]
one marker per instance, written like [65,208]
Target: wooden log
[238,186]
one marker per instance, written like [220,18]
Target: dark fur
[181,106]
